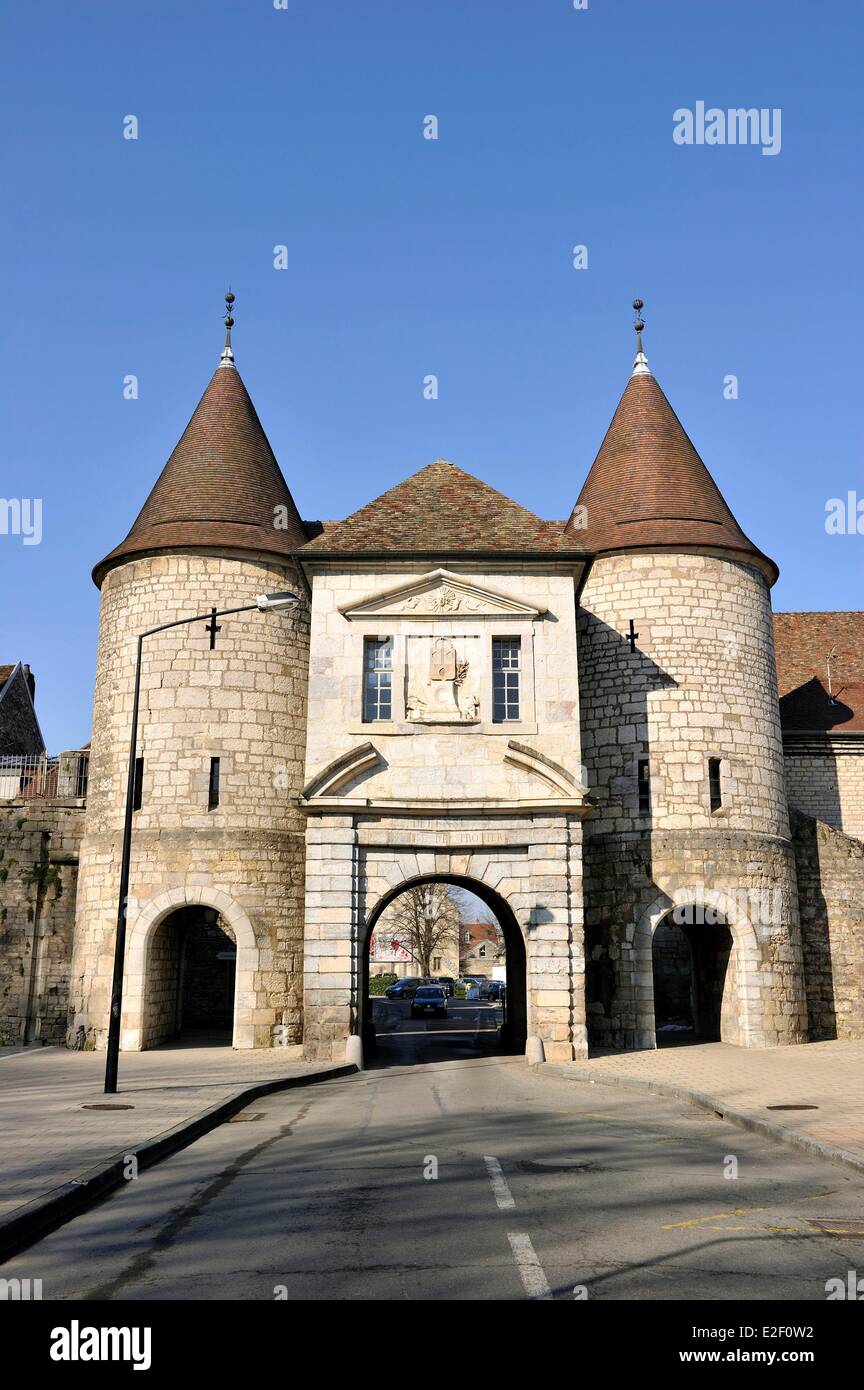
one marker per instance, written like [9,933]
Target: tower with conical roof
[682,745]
[217,843]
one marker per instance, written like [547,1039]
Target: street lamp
[266,603]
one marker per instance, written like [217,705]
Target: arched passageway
[693,986]
[400,948]
[190,983]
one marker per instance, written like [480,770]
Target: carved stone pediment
[437,594]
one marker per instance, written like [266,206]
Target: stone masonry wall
[632,881]
[39,844]
[831,894]
[825,780]
[700,684]
[245,703]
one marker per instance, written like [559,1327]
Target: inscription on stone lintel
[442,840]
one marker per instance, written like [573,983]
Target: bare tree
[424,919]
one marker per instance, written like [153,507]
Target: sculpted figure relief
[438,689]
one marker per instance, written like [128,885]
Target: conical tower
[681,740]
[215,918]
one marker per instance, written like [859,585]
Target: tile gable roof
[219,487]
[803,643]
[442,508]
[649,487]
[8,669]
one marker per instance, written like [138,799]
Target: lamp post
[265,603]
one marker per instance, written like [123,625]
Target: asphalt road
[543,1186]
[469,1030]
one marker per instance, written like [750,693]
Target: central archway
[514,1028]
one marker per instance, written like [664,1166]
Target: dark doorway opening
[490,1017]
[191,981]
[690,958]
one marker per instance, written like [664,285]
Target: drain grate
[791,1107]
[529,1166]
[107,1105]
[244,1118]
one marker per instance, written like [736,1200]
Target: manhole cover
[107,1105]
[244,1118]
[791,1107]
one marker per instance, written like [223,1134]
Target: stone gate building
[577,720]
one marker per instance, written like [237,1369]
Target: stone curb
[744,1119]
[29,1223]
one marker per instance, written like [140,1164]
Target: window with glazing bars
[377,678]
[506,654]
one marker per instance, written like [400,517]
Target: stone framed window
[643,781]
[506,672]
[377,679]
[715,783]
[213,785]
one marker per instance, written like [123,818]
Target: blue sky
[408,257]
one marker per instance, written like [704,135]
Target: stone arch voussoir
[745,946]
[141,931]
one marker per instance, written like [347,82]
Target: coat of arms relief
[442,686]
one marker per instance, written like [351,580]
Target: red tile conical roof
[220,487]
[648,487]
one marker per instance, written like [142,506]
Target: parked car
[429,999]
[447,983]
[403,989]
[493,989]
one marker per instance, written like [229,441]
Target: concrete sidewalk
[744,1083]
[48,1140]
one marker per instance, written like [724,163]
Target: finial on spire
[227,358]
[640,366]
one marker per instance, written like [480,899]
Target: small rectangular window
[644,779]
[715,787]
[377,678]
[138,784]
[506,667]
[213,797]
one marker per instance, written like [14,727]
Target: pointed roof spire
[648,488]
[227,358]
[222,487]
[640,366]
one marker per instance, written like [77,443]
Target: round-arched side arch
[746,964]
[516,1029]
[140,937]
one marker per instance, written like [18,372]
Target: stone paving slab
[47,1138]
[827,1075]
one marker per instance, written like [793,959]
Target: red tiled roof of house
[803,643]
[648,487]
[443,508]
[220,487]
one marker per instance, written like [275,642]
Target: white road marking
[503,1195]
[530,1270]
